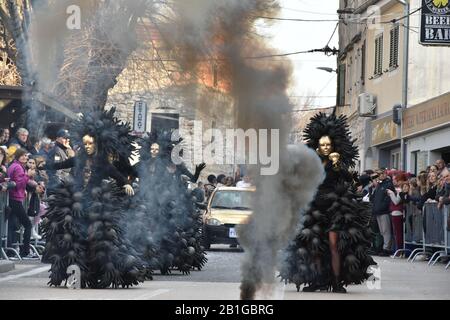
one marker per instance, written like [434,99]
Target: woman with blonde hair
[431,188]
[414,192]
[422,182]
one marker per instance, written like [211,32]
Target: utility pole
[406,4]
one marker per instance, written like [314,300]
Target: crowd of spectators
[390,190]
[24,186]
[203,190]
[23,182]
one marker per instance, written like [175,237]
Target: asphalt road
[220,280]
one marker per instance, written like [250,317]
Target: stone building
[174,98]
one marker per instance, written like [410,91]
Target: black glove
[199,168]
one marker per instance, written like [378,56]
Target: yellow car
[227,208]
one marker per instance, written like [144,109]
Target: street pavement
[220,280]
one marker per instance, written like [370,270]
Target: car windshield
[231,199]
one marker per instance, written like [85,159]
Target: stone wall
[195,104]
[357,126]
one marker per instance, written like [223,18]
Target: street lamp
[346,11]
[330,70]
[327,69]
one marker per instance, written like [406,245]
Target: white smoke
[276,213]
[225,30]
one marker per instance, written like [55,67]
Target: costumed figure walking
[330,249]
[83,223]
[169,230]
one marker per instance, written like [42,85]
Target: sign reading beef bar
[435,22]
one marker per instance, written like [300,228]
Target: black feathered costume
[167,228]
[335,208]
[83,223]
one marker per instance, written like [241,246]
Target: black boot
[316,287]
[338,287]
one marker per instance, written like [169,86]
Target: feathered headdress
[337,129]
[111,135]
[166,139]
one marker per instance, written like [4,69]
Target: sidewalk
[395,279]
[6,266]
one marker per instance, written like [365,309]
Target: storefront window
[395,160]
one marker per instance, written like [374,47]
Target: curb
[6,266]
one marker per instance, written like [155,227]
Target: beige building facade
[371,63]
[174,99]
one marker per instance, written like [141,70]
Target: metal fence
[4,248]
[428,229]
[413,225]
[3,226]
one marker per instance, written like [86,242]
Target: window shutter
[393,54]
[397,32]
[363,62]
[378,55]
[375,65]
[391,48]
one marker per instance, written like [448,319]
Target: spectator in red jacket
[396,209]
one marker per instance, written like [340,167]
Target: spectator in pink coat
[17,173]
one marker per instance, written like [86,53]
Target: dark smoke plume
[224,31]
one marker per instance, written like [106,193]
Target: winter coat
[404,197]
[430,194]
[34,204]
[18,174]
[380,198]
[446,196]
[3,174]
[57,154]
[396,205]
[22,145]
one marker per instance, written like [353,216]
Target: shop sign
[383,130]
[435,22]
[427,115]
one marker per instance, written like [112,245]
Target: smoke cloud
[276,213]
[87,63]
[76,66]
[225,31]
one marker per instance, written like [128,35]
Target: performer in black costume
[330,250]
[83,224]
[167,227]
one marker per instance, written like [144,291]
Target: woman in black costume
[166,215]
[83,224]
[330,250]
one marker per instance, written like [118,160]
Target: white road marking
[25,274]
[151,294]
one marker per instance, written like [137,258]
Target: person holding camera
[381,209]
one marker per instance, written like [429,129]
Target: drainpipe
[406,4]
